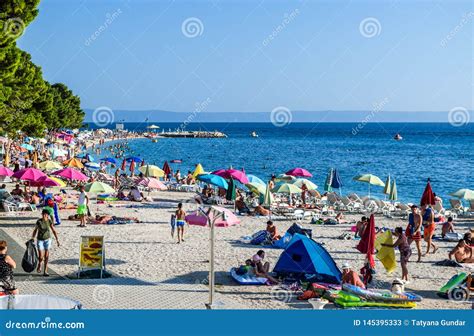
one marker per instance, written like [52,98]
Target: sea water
[441,152]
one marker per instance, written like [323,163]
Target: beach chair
[456,206]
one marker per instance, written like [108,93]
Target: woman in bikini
[405,251]
[413,231]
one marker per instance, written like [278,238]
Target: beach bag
[30,258]
[259,237]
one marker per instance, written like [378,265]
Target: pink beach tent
[28,174]
[197,218]
[71,174]
[299,172]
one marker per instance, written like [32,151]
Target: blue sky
[322,55]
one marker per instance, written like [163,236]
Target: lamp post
[212,214]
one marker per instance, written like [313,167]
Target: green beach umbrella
[310,185]
[230,194]
[268,198]
[287,188]
[257,188]
[327,184]
[393,191]
[467,194]
[370,180]
[387,188]
[98,187]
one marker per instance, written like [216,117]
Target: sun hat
[346,266]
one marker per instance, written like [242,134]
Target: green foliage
[28,102]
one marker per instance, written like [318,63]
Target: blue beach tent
[305,257]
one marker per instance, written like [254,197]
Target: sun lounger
[456,206]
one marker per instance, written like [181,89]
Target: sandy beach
[146,251]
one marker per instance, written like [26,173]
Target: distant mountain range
[282,115]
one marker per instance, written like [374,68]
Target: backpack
[259,237]
[30,258]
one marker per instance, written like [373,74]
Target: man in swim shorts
[413,231]
[427,214]
[180,222]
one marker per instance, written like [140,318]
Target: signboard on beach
[92,253]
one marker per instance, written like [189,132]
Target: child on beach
[405,251]
[462,253]
[180,222]
[7,264]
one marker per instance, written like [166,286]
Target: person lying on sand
[106,219]
[462,253]
[351,277]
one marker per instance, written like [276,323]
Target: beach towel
[386,255]
[447,262]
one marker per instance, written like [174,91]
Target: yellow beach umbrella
[370,179]
[73,163]
[387,188]
[151,171]
[310,185]
[199,170]
[257,188]
[61,183]
[50,165]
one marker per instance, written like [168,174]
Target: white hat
[346,266]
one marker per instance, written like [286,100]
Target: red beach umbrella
[428,197]
[166,168]
[299,172]
[367,242]
[124,164]
[132,166]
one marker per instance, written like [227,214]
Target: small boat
[254,134]
[398,137]
[176,161]
[154,140]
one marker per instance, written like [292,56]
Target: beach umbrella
[28,174]
[255,179]
[132,167]
[215,180]
[50,165]
[427,198]
[232,174]
[212,217]
[268,198]
[198,170]
[109,160]
[60,182]
[151,171]
[86,156]
[143,163]
[133,158]
[5,171]
[467,194]
[367,241]
[152,183]
[166,168]
[393,191]
[28,147]
[71,174]
[287,188]
[92,165]
[328,183]
[387,188]
[230,194]
[370,180]
[124,165]
[256,188]
[153,127]
[285,178]
[310,185]
[299,172]
[99,188]
[75,163]
[46,181]
[336,181]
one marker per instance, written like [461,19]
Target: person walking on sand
[82,206]
[42,233]
[7,265]
[180,222]
[427,214]
[405,251]
[413,231]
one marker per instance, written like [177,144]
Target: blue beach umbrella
[336,182]
[134,159]
[109,160]
[255,179]
[214,180]
[86,156]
